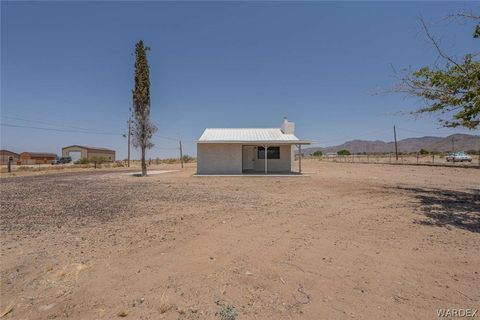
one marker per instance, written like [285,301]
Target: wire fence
[418,159]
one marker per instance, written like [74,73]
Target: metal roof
[5,151]
[246,135]
[89,148]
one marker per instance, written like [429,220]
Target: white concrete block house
[238,151]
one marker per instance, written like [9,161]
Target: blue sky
[69,66]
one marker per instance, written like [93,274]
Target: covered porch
[271,159]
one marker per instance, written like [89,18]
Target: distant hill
[441,144]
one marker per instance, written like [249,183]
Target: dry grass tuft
[123,313]
[164,304]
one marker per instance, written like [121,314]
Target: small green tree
[423,151]
[317,153]
[343,152]
[143,128]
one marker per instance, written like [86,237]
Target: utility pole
[299,158]
[181,153]
[395,138]
[129,134]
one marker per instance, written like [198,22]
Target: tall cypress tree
[143,128]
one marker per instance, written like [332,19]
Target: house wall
[284,164]
[213,158]
[219,158]
[110,156]
[26,158]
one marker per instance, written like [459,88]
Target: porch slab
[293,174]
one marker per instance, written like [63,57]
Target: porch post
[266,157]
[300,158]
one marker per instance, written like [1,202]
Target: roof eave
[303,142]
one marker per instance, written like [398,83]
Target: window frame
[273,153]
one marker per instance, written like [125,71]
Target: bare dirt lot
[350,241]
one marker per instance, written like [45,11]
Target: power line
[347,139]
[167,138]
[60,130]
[163,137]
[80,129]
[44,122]
[423,132]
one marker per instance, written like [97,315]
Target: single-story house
[37,157]
[6,155]
[237,151]
[77,152]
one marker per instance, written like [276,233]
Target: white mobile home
[237,151]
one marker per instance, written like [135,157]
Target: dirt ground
[349,241]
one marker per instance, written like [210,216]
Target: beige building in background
[6,155]
[77,152]
[238,151]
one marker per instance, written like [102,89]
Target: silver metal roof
[246,135]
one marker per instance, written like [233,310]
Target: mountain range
[458,142]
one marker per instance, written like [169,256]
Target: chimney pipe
[287,126]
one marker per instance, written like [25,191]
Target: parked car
[458,157]
[65,159]
[62,160]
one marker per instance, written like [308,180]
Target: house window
[273,153]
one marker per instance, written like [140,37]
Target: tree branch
[438,47]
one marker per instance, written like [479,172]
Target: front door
[248,158]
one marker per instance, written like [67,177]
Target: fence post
[433,158]
[9,165]
[95,165]
[417,157]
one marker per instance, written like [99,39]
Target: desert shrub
[317,153]
[423,151]
[118,164]
[82,161]
[343,152]
[22,168]
[226,312]
[99,160]
[187,158]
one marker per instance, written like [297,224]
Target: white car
[458,157]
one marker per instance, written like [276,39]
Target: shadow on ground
[443,208]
